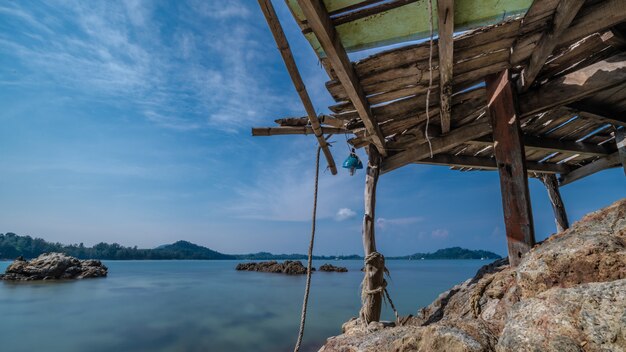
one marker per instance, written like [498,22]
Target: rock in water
[53,266]
[567,294]
[332,268]
[289,267]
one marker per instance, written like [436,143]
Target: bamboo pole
[290,63]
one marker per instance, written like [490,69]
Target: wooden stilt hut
[528,88]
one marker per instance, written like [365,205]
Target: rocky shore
[568,294]
[53,266]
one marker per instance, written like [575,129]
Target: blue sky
[129,122]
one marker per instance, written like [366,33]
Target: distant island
[13,246]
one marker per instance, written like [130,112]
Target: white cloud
[211,73]
[384,223]
[283,190]
[345,214]
[440,234]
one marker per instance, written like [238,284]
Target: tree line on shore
[13,246]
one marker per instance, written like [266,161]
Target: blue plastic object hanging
[352,162]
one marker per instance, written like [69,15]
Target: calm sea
[202,306]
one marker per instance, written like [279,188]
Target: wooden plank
[558,208]
[375,269]
[620,141]
[565,12]
[320,23]
[510,156]
[590,169]
[590,19]
[291,130]
[484,163]
[290,63]
[593,112]
[574,86]
[445,17]
[554,145]
[439,144]
[410,22]
[596,18]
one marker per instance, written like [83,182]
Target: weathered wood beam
[594,112]
[554,145]
[558,208]
[598,17]
[483,163]
[590,169]
[511,160]
[319,21]
[290,63]
[445,15]
[438,144]
[375,266]
[304,121]
[620,140]
[291,130]
[575,86]
[565,12]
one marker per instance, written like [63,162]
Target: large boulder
[53,266]
[589,317]
[289,267]
[567,294]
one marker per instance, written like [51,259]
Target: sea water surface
[203,306]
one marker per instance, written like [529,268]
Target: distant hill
[188,250]
[13,246]
[452,253]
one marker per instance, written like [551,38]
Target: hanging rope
[430,78]
[310,259]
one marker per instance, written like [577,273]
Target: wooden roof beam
[593,112]
[320,22]
[565,12]
[483,163]
[445,15]
[291,130]
[590,169]
[554,145]
[290,63]
[439,144]
[575,86]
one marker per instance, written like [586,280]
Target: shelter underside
[570,87]
[528,88]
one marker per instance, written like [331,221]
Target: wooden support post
[511,160]
[620,140]
[560,215]
[374,268]
[445,15]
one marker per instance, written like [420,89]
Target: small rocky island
[332,268]
[289,267]
[53,266]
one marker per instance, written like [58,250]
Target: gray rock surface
[289,267]
[53,266]
[568,294]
